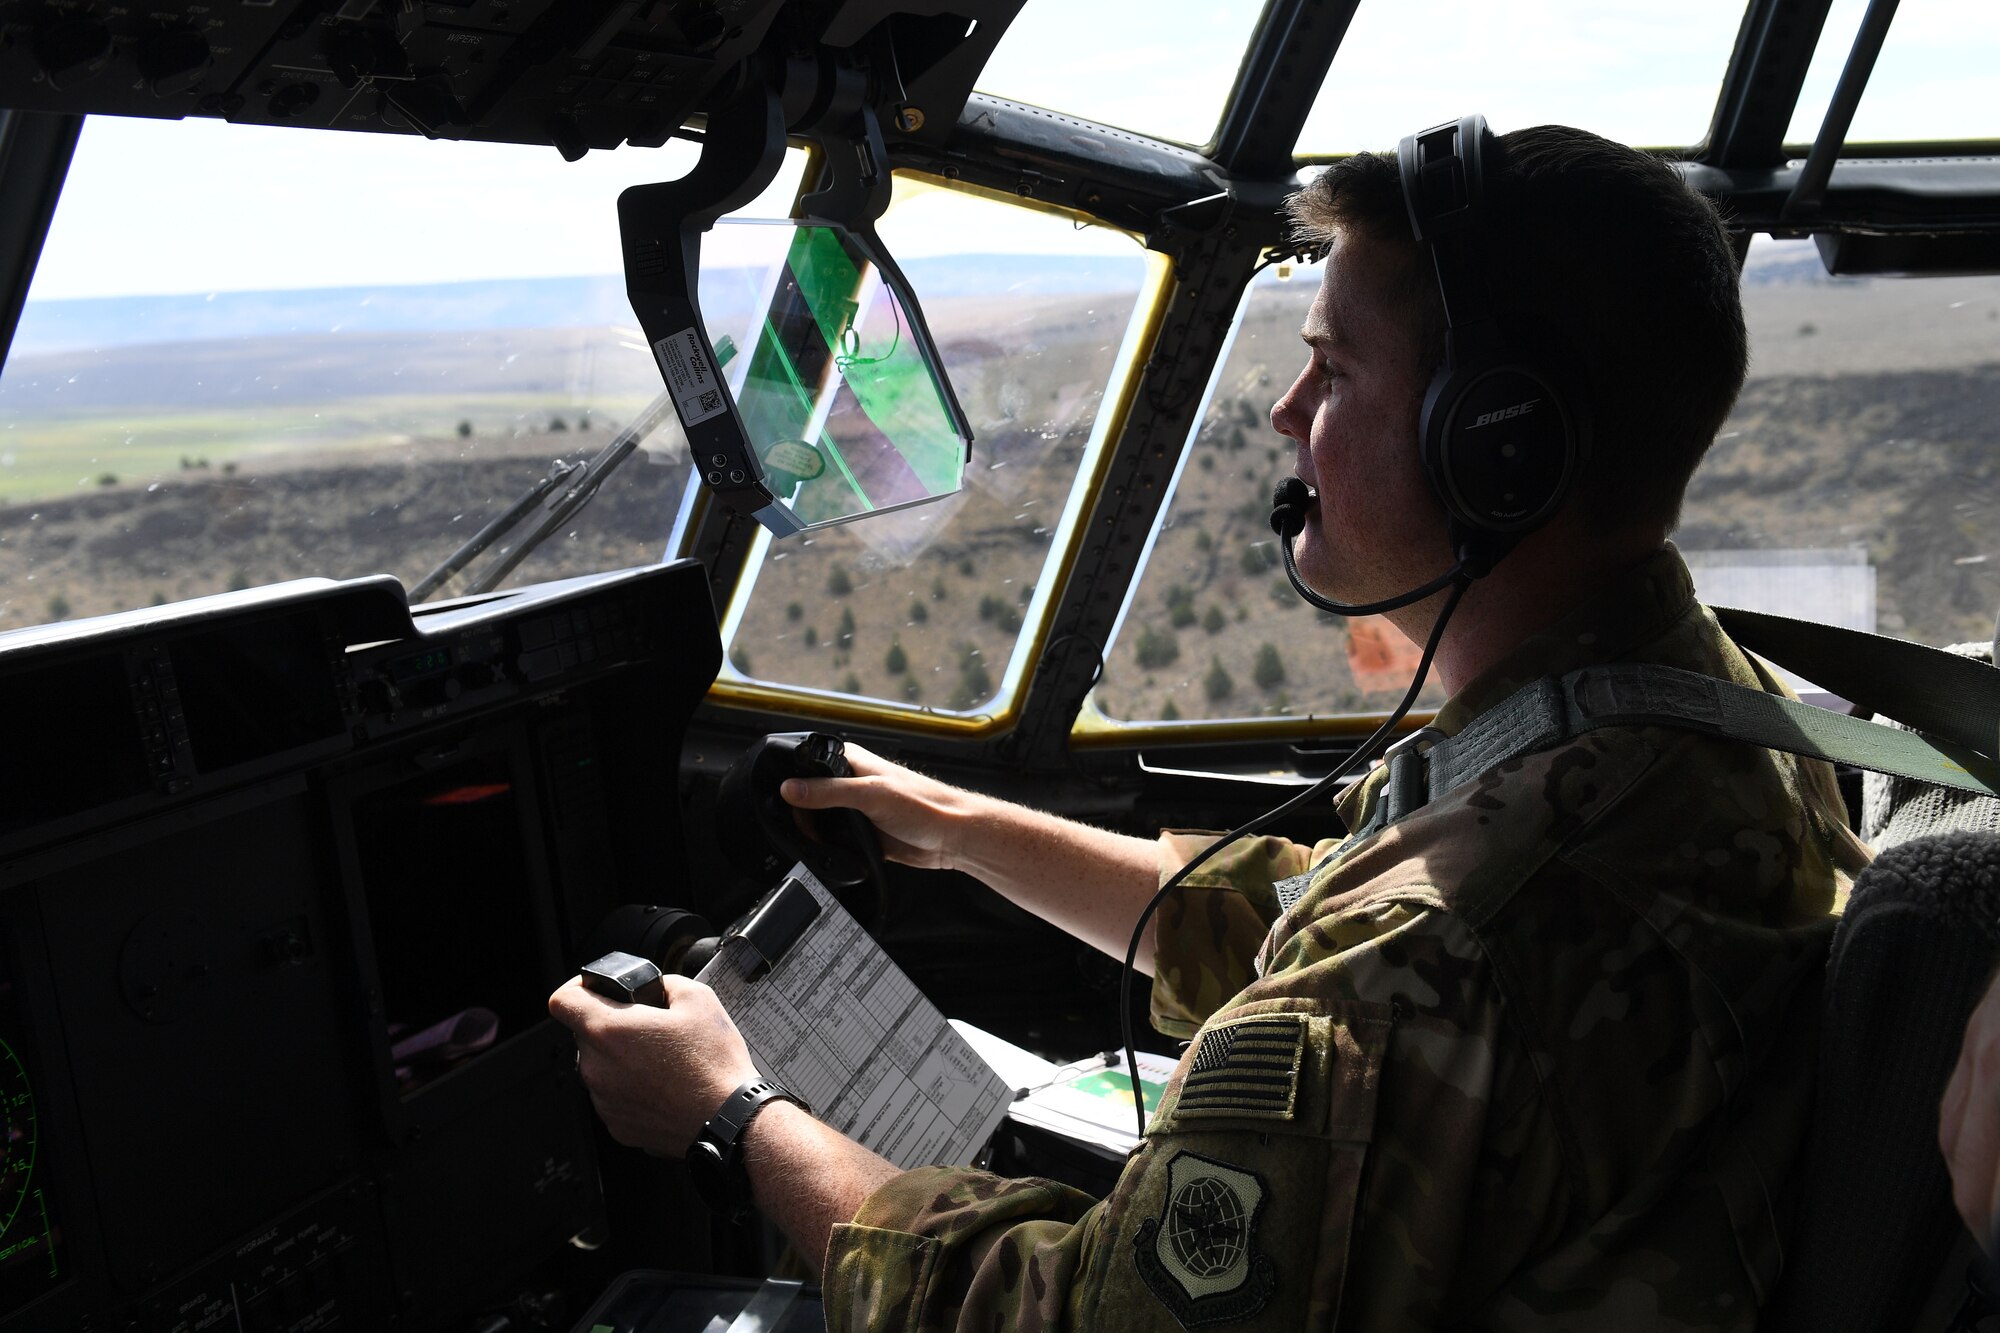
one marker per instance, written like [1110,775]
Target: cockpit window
[1211,628]
[1638,74]
[256,354]
[934,609]
[1932,80]
[1161,67]
[1855,482]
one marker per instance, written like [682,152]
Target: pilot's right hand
[1088,881]
[915,815]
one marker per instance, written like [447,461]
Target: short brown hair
[1608,247]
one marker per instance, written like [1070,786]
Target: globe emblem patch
[1206,1227]
[1198,1256]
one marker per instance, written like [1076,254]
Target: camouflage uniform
[1537,1056]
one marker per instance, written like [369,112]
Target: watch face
[711,1173]
[707,1169]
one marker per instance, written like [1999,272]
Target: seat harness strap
[1953,702]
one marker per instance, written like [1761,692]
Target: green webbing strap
[1550,711]
[1936,692]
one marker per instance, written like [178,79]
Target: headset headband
[1501,441]
[1444,182]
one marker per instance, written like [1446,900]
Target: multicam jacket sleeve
[1240,1208]
[1211,927]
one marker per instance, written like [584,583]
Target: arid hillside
[1836,444]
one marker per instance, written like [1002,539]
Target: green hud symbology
[31,1258]
[838,402]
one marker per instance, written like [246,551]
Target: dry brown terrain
[1866,423]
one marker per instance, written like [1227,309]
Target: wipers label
[684,363]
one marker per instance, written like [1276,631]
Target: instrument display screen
[32,1258]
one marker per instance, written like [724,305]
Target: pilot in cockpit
[1530,1048]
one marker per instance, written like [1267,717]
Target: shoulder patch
[1248,1067]
[1200,1256]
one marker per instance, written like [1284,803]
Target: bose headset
[1500,436]
[1501,444]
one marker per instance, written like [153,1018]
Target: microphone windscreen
[1289,501]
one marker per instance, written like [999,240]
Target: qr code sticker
[711,402]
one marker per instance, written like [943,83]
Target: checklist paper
[840,1024]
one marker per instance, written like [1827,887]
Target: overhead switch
[173,60]
[69,47]
[292,100]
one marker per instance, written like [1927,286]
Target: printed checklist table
[841,1025]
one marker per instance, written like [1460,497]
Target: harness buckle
[1408,786]
[1425,736]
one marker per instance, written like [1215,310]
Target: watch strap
[726,1126]
[715,1158]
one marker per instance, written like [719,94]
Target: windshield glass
[1212,629]
[1933,79]
[936,609]
[1854,483]
[1643,76]
[310,355]
[1162,67]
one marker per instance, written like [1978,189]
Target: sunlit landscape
[152,471]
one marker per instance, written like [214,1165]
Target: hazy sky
[194,206]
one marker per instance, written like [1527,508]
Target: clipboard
[827,1013]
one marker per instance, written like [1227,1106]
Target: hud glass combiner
[840,407]
[840,404]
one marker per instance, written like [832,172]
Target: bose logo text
[1504,413]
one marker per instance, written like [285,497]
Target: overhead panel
[577,75]
[1640,75]
[584,74]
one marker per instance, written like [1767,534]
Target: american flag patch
[1247,1068]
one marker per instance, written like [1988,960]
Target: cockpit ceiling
[1720,81]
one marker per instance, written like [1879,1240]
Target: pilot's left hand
[655,1075]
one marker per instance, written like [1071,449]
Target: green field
[1838,442]
[56,454]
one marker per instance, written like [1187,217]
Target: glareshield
[839,392]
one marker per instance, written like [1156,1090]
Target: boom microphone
[1289,503]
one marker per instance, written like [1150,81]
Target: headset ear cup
[1431,438]
[1502,445]
[1501,439]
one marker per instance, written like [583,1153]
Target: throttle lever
[626,978]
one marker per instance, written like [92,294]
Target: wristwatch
[715,1158]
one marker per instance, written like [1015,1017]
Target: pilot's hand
[1969,1119]
[655,1075]
[915,815]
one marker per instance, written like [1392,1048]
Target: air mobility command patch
[1199,1257]
[1246,1068]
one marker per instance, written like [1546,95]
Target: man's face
[1377,529]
